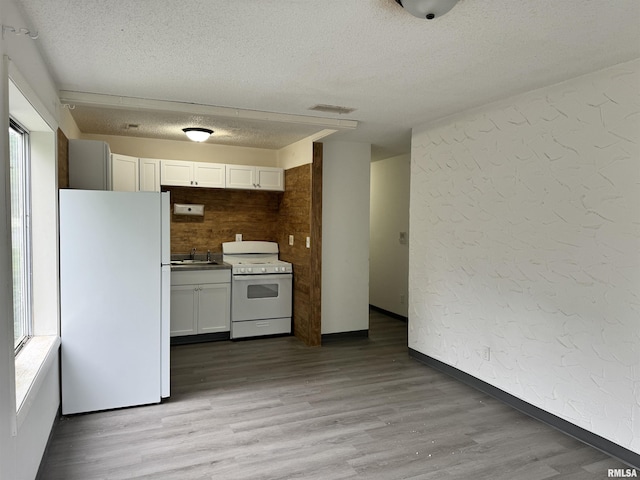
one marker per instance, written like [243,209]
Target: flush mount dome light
[197,134]
[428,9]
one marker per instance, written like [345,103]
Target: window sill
[33,363]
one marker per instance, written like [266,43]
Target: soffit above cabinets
[137,117]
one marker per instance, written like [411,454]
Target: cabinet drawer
[256,328]
[198,277]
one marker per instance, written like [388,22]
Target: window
[20,232]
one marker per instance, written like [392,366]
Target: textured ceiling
[286,56]
[168,125]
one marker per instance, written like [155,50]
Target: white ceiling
[286,56]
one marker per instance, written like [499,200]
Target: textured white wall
[525,237]
[388,258]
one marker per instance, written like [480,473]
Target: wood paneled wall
[316,245]
[295,219]
[254,214]
[63,160]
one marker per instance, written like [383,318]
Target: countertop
[200,266]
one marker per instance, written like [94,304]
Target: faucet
[193,253]
[208,255]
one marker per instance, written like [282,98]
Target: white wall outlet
[238,237]
[290,239]
[403,238]
[402,299]
[308,242]
[486,354]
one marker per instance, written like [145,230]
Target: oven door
[257,297]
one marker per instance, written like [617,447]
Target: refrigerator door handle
[165,228]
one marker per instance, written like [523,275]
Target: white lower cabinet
[200,302]
[212,318]
[184,312]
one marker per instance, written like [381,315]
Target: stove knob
[241,270]
[263,269]
[277,269]
[249,270]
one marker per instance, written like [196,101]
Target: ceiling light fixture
[197,134]
[428,9]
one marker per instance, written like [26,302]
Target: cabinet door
[183,310]
[210,175]
[241,176]
[149,175]
[268,178]
[124,173]
[176,172]
[214,308]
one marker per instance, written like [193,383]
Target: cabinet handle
[191,182]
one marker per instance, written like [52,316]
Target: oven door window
[262,291]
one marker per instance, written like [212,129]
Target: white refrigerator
[114,298]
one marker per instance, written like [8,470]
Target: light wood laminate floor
[352,409]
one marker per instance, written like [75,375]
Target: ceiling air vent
[332,109]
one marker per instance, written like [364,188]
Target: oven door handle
[263,276]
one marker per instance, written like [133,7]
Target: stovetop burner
[254,258]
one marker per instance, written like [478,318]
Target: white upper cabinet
[269,178]
[192,174]
[93,166]
[241,176]
[251,178]
[149,175]
[176,172]
[124,173]
[209,175]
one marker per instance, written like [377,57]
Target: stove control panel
[262,270]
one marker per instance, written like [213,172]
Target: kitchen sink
[194,262]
